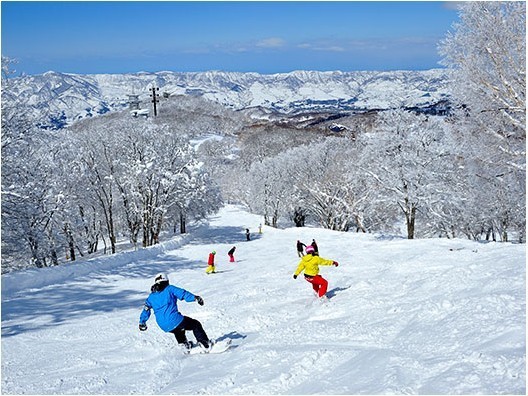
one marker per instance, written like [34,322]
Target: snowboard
[217,347]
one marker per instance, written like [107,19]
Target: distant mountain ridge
[58,99]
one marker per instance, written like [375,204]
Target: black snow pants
[190,324]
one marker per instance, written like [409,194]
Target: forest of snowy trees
[81,190]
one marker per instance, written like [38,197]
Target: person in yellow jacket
[310,265]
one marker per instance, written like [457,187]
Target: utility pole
[154,95]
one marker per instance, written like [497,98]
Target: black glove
[294,276]
[199,300]
[143,326]
[335,263]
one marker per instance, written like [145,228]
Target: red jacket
[211,259]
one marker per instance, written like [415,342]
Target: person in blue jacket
[163,300]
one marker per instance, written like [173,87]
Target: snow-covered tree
[96,154]
[326,183]
[220,157]
[320,180]
[144,173]
[29,203]
[270,187]
[410,163]
[28,200]
[487,53]
[260,142]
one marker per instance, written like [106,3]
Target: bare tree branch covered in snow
[487,50]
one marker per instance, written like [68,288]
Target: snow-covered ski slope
[431,316]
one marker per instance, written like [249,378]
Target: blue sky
[265,37]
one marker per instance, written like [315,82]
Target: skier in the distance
[300,248]
[163,300]
[210,263]
[310,265]
[231,254]
[316,248]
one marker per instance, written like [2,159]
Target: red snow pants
[319,284]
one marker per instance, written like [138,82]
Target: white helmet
[161,277]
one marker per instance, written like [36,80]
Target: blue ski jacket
[164,304]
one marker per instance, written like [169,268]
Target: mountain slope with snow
[431,316]
[58,99]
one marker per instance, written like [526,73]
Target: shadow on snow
[45,307]
[221,235]
[334,291]
[42,308]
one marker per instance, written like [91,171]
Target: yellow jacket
[310,265]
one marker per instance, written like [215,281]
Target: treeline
[410,171]
[85,188]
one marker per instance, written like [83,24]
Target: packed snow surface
[431,316]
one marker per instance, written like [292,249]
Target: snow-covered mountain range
[57,99]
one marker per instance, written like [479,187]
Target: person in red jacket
[310,265]
[210,263]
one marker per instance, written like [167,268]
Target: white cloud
[272,42]
[322,47]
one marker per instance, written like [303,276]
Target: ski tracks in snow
[404,317]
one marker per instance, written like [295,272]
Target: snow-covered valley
[59,99]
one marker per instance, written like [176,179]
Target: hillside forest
[83,189]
